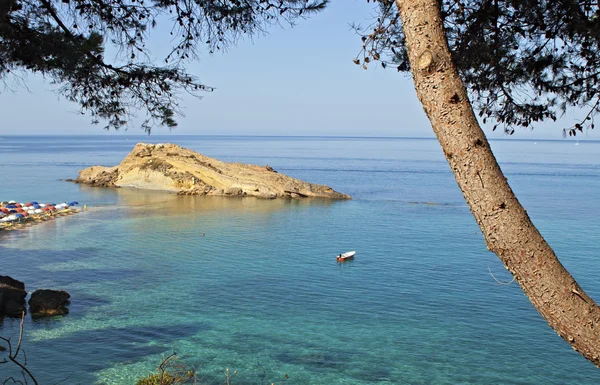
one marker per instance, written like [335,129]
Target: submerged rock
[169,167]
[45,303]
[12,297]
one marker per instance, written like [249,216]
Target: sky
[294,81]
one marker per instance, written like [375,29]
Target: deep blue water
[262,293]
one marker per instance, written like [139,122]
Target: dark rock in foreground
[45,303]
[12,297]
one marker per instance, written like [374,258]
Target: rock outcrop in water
[46,303]
[43,302]
[12,297]
[169,167]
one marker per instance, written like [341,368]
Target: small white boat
[345,256]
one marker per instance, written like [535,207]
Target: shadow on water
[35,256]
[104,347]
[315,361]
[296,352]
[372,374]
[88,276]
[265,341]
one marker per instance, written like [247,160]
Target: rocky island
[169,167]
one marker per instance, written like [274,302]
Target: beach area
[17,216]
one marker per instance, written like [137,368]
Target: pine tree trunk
[507,228]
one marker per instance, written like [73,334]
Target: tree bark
[507,228]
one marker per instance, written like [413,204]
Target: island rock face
[169,167]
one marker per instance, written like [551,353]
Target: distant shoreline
[115,135]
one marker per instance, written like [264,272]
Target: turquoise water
[262,294]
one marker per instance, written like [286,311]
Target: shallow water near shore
[261,293]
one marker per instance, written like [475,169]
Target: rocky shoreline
[42,302]
[168,167]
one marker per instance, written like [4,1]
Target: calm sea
[262,294]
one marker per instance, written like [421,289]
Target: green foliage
[165,379]
[64,40]
[523,61]
[169,372]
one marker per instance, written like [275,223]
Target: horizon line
[509,138]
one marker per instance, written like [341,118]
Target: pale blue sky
[293,81]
